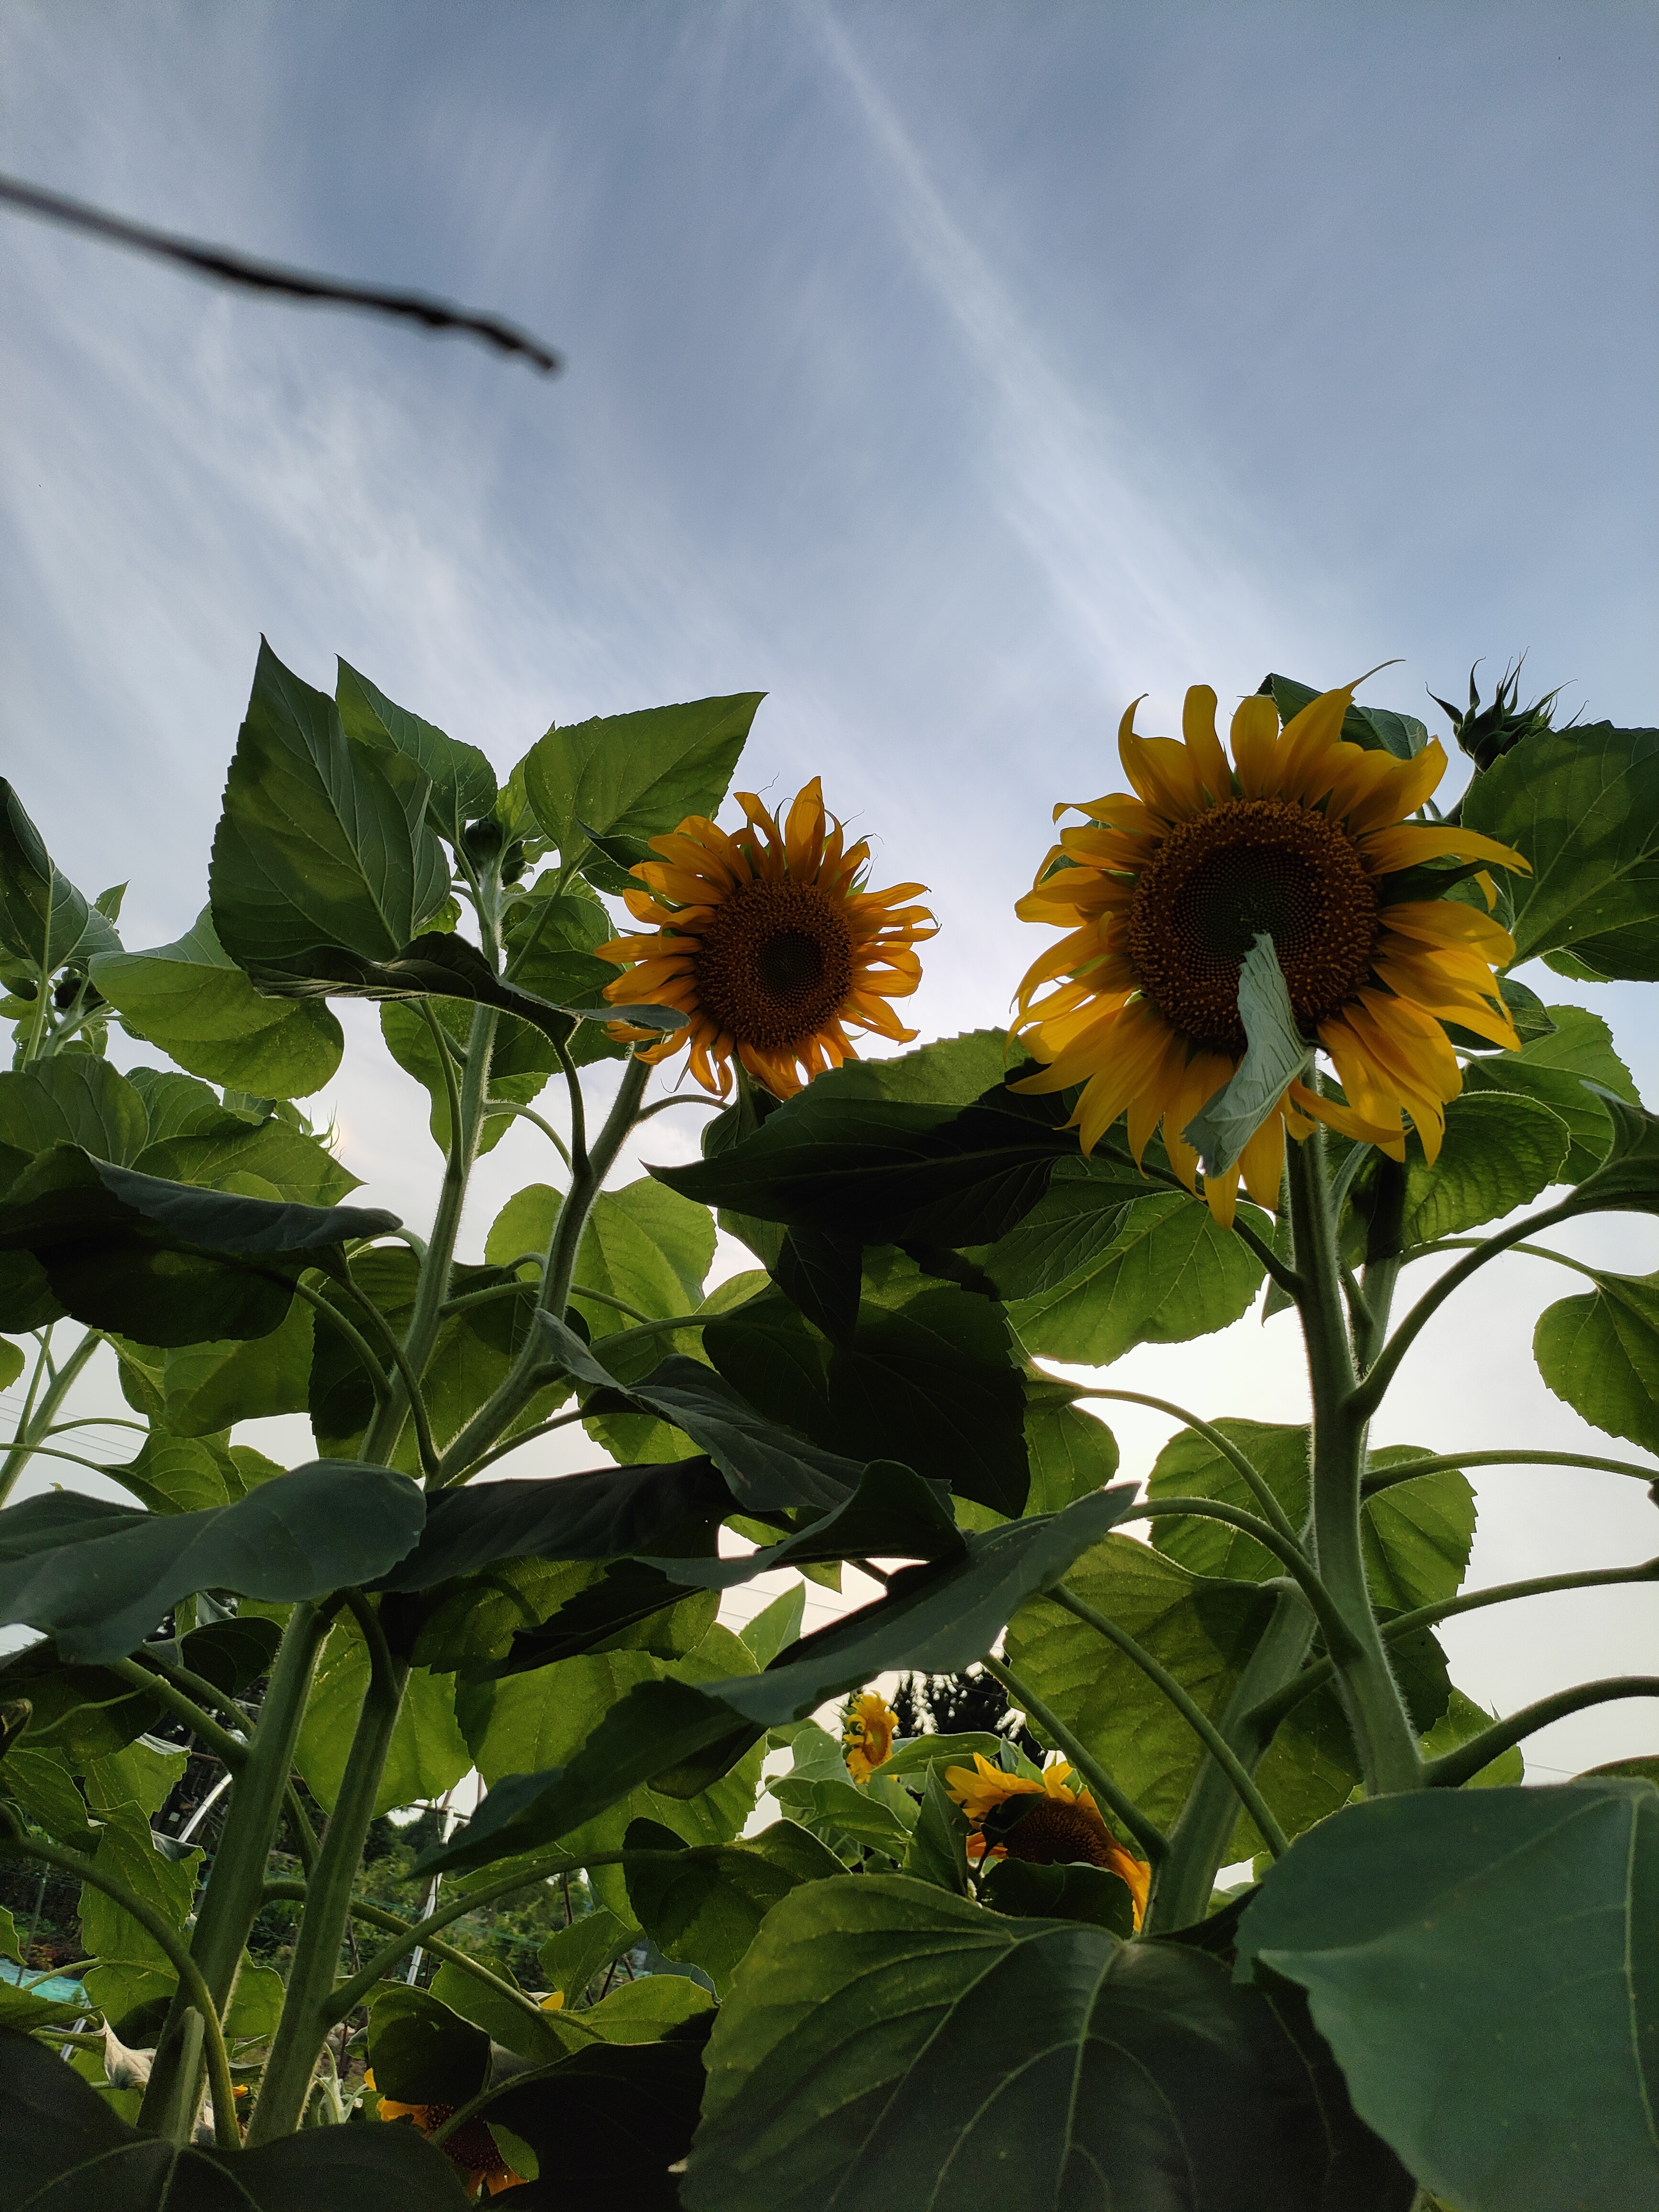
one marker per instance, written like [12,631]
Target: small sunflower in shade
[867,1728]
[472,2150]
[1163,890]
[770,943]
[1062,1827]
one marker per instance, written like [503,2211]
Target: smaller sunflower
[472,2149]
[768,941]
[867,1728]
[1064,1826]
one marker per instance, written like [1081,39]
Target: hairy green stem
[231,1901]
[192,1985]
[1384,1735]
[306,2016]
[1386,1477]
[36,1422]
[1458,1767]
[528,1113]
[157,1682]
[531,1368]
[1197,1719]
[1144,1830]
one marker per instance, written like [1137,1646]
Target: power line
[222,264]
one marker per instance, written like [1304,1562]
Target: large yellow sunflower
[867,1728]
[770,943]
[1302,834]
[1064,1827]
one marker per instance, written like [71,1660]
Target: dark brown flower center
[774,963]
[1053,1833]
[1248,866]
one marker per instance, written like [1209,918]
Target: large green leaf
[1501,1149]
[208,1386]
[1169,1274]
[1483,1965]
[521,1058]
[1628,1179]
[69,1099]
[165,1262]
[323,840]
[292,1164]
[954,1070]
[463,782]
[1551,1069]
[934,1618]
[889,2045]
[1417,1535]
[882,1170]
[636,776]
[190,1001]
[43,918]
[99,1577]
[597,1515]
[179,1474]
[707,1905]
[63,2148]
[428,1753]
[1066,1232]
[1602,1354]
[1071,1452]
[1582,804]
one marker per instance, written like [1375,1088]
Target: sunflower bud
[1486,733]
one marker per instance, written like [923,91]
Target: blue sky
[953,373]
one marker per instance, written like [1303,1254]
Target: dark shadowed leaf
[888,2044]
[1483,1964]
[99,1577]
[706,1905]
[606,2125]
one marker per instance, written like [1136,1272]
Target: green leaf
[127,1853]
[1417,1535]
[933,1618]
[1601,1353]
[192,1001]
[162,1261]
[43,918]
[1091,1894]
[1584,807]
[938,1850]
[1501,1149]
[1463,1719]
[41,1784]
[954,1070]
[429,1753]
[540,2037]
[636,776]
[1067,1232]
[593,1515]
[608,2123]
[323,841]
[69,1099]
[62,2148]
[888,2044]
[1276,1054]
[934,1383]
[578,1954]
[1374,727]
[1627,1180]
[99,1577]
[775,1626]
[527,1059]
[881,1170]
[209,1387]
[706,1905]
[463,782]
[143,1774]
[12,1364]
[650,2008]
[1416,1923]
[1167,1275]
[863,1816]
[1550,1069]
[422,2053]
[291,1163]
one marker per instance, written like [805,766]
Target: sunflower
[471,2149]
[1064,1825]
[768,943]
[1303,835]
[867,1728]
